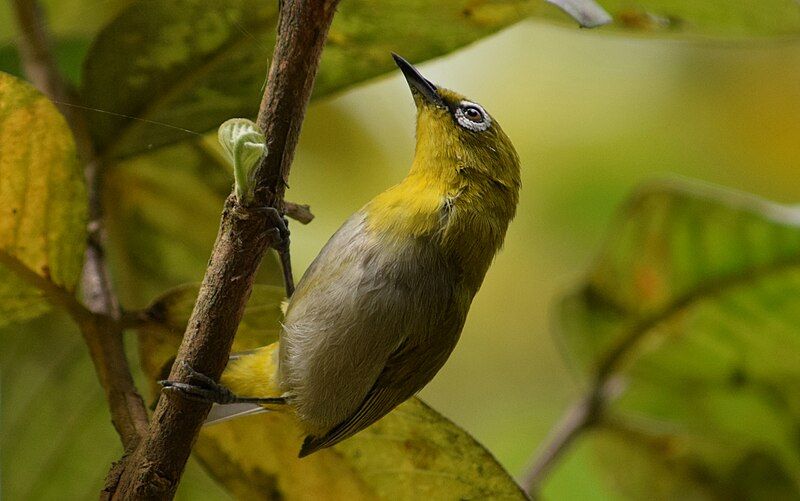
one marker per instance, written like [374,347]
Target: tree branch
[299,212]
[154,468]
[99,323]
[580,417]
[34,46]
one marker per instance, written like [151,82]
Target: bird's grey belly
[359,304]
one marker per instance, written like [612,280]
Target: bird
[381,308]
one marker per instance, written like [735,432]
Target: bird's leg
[279,233]
[204,389]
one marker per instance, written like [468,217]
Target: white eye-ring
[472,116]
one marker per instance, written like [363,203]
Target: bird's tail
[222,413]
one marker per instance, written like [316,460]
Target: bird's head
[454,132]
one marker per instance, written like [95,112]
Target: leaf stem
[154,468]
[98,316]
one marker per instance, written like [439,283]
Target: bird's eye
[473,113]
[472,117]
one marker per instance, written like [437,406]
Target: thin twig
[34,47]
[578,418]
[101,328]
[299,212]
[153,470]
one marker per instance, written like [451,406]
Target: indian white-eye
[381,308]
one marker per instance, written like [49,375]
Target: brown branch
[299,212]
[590,409]
[580,417]
[99,321]
[153,470]
[34,46]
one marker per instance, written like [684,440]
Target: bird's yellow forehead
[450,97]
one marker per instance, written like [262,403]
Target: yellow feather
[476,176]
[253,373]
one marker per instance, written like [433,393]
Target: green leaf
[192,64]
[71,24]
[64,17]
[57,442]
[675,465]
[43,203]
[692,313]
[50,386]
[411,453]
[745,18]
[69,53]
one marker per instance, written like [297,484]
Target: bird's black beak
[418,84]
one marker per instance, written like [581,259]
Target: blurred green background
[592,115]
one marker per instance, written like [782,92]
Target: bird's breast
[366,294]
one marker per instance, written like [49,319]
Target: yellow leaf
[42,201]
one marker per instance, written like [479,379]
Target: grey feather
[221,413]
[368,334]
[381,308]
[406,371]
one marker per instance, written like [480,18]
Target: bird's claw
[279,230]
[201,388]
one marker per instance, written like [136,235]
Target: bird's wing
[406,371]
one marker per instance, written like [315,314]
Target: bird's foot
[201,388]
[204,389]
[278,230]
